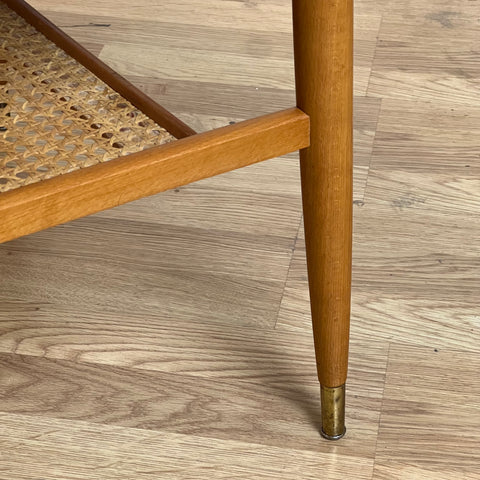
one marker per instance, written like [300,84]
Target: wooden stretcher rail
[143,102]
[45,204]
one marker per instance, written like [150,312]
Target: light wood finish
[161,284]
[109,453]
[83,192]
[444,68]
[323,42]
[156,400]
[416,398]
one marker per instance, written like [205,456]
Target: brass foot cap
[333,437]
[333,412]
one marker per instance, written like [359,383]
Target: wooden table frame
[320,126]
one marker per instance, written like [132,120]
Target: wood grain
[323,44]
[420,288]
[421,136]
[230,14]
[428,412]
[256,72]
[190,99]
[65,296]
[275,358]
[140,399]
[107,185]
[431,57]
[105,452]
[170,272]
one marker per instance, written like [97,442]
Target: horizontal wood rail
[127,90]
[45,204]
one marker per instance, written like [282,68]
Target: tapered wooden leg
[323,39]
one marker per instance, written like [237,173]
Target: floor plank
[210,408]
[430,137]
[162,267]
[427,51]
[75,449]
[430,413]
[171,337]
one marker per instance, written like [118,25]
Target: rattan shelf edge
[67,197]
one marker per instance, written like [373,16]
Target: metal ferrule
[333,412]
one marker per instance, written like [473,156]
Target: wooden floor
[170,338]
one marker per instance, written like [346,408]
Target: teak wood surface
[171,337]
[67,197]
[323,43]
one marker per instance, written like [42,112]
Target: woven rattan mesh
[55,115]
